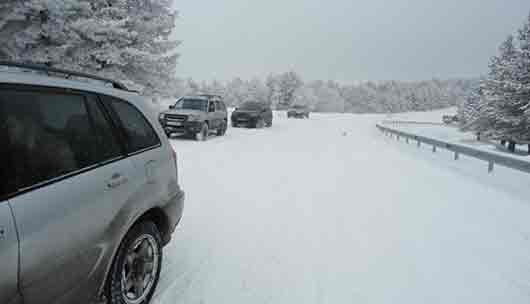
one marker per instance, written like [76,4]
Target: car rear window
[48,135]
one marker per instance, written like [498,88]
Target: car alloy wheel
[136,269]
[139,269]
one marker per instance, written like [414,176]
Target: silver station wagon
[89,191]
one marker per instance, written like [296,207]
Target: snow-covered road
[328,210]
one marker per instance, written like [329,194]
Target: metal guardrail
[411,122]
[491,158]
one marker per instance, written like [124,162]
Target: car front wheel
[203,133]
[136,269]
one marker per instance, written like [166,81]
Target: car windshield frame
[299,107]
[192,104]
[250,106]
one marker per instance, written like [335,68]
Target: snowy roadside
[454,135]
[327,210]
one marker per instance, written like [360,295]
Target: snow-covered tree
[287,84]
[522,74]
[12,21]
[502,111]
[127,40]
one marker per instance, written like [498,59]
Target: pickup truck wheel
[136,269]
[203,134]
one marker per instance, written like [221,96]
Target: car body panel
[8,256]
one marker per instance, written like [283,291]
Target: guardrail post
[434,148]
[490,167]
[407,140]
[457,156]
[419,143]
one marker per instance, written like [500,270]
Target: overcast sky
[344,40]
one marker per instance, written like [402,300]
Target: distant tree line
[130,41]
[499,105]
[286,89]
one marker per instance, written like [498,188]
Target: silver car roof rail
[66,73]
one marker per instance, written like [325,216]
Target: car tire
[222,130]
[260,124]
[139,254]
[202,135]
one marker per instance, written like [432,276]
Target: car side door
[147,153]
[71,181]
[219,113]
[8,234]
[212,115]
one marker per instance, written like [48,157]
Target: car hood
[184,112]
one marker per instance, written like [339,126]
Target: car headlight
[194,117]
[162,116]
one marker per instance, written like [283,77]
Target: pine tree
[523,76]
[500,114]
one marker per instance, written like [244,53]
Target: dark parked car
[298,111]
[252,114]
[450,119]
[197,116]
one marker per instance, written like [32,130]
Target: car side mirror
[172,107]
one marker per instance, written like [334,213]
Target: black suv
[252,114]
[197,116]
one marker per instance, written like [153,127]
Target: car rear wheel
[203,133]
[136,269]
[260,124]
[222,129]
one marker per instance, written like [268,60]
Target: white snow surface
[328,210]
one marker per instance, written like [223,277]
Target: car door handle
[2,232]
[116,181]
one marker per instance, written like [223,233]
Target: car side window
[139,133]
[211,106]
[108,146]
[5,155]
[48,135]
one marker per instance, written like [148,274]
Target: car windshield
[251,106]
[192,104]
